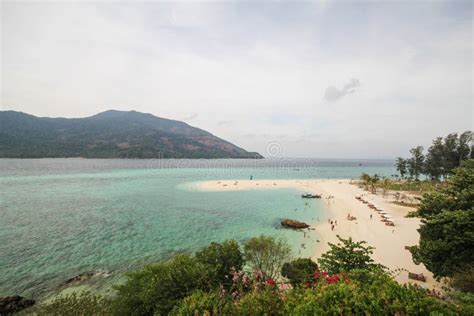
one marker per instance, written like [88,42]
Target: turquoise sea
[61,217]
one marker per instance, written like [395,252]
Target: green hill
[110,134]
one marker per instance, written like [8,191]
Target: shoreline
[389,242]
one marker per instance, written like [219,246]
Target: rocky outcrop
[81,277]
[290,223]
[13,304]
[86,276]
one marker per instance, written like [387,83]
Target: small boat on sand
[310,196]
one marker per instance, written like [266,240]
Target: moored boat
[311,196]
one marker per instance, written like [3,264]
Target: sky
[327,79]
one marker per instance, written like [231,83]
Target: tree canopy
[447,230]
[442,157]
[267,254]
[346,256]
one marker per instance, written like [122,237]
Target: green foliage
[267,254]
[415,163]
[264,302]
[346,256]
[464,280]
[76,304]
[204,303]
[157,288]
[370,181]
[447,230]
[442,157]
[464,301]
[181,286]
[446,242]
[219,261]
[371,293]
[299,271]
[401,165]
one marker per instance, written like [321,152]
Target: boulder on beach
[13,304]
[291,223]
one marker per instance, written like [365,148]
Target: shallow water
[61,217]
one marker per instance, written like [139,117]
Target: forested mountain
[110,134]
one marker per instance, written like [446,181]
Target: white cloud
[252,65]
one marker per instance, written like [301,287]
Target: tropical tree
[299,271]
[434,162]
[220,260]
[157,288]
[366,180]
[446,233]
[415,163]
[267,254]
[401,165]
[373,183]
[451,155]
[347,255]
[464,146]
[385,185]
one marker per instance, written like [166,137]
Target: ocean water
[61,217]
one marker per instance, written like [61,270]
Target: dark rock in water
[81,277]
[86,276]
[13,304]
[293,224]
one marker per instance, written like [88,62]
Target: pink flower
[284,287]
[235,276]
[245,279]
[307,284]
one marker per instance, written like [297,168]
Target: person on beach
[332,227]
[335,222]
[370,216]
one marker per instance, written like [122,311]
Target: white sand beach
[389,242]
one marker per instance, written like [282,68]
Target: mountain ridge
[109,134]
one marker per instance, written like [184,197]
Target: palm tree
[373,182]
[366,179]
[385,184]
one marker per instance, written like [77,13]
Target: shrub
[264,302]
[379,294]
[220,260]
[299,271]
[158,288]
[83,303]
[346,256]
[464,280]
[446,238]
[202,303]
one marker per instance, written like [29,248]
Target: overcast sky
[321,79]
